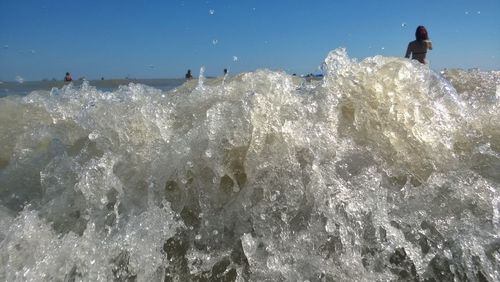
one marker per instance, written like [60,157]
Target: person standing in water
[418,48]
[68,77]
[189,75]
[225,72]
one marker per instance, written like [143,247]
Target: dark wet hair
[67,73]
[421,33]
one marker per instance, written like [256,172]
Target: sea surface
[26,87]
[384,170]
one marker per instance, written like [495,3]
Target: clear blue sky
[161,39]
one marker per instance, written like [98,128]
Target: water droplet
[383,48]
[466,12]
[403,24]
[479,12]
[235,58]
[93,136]
[208,153]
[211,11]
[215,232]
[215,41]
[198,237]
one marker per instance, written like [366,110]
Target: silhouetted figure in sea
[68,77]
[225,72]
[189,75]
[418,48]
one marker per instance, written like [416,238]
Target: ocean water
[384,170]
[25,88]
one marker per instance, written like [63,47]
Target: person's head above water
[421,33]
[67,73]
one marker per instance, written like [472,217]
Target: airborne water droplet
[211,11]
[215,41]
[235,58]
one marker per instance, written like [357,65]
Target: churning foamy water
[383,170]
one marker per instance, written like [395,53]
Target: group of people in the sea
[189,76]
[417,50]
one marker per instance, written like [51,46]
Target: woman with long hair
[418,48]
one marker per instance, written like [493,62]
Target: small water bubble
[403,24]
[184,181]
[466,12]
[215,41]
[211,11]
[215,232]
[190,164]
[235,58]
[198,237]
[208,153]
[479,12]
[93,136]
[383,48]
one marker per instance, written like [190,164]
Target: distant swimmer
[225,72]
[418,48]
[68,77]
[189,75]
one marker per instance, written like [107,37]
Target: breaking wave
[382,170]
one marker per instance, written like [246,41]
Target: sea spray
[383,170]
